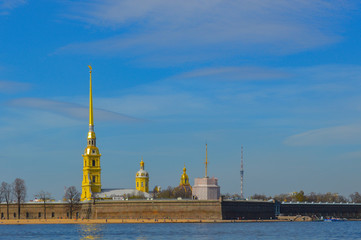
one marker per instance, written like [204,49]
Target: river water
[273,230]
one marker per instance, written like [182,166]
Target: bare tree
[19,191]
[43,196]
[355,197]
[72,197]
[5,190]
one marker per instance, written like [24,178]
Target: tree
[355,197]
[167,193]
[72,197]
[5,190]
[300,196]
[19,191]
[43,196]
[260,197]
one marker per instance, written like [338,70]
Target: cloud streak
[70,110]
[13,87]
[338,135]
[210,28]
[7,5]
[246,73]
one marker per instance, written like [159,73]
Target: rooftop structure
[206,188]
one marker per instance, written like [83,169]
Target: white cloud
[338,135]
[209,28]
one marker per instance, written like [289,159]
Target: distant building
[121,194]
[184,190]
[206,188]
[142,179]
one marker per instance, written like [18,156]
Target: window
[27,215]
[142,184]
[93,163]
[53,214]
[14,215]
[39,214]
[2,215]
[137,184]
[93,178]
[146,184]
[67,214]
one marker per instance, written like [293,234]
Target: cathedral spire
[91,120]
[91,183]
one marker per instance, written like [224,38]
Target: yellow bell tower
[142,179]
[91,169]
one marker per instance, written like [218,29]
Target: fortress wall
[248,210]
[34,211]
[159,209]
[170,209]
[181,209]
[344,210]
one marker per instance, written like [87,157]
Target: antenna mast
[242,172]
[206,163]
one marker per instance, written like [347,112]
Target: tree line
[311,197]
[16,193]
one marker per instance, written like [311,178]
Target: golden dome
[184,178]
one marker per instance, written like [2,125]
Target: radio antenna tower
[242,172]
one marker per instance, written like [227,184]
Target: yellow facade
[142,179]
[91,158]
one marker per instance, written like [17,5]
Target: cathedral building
[91,183]
[91,158]
[184,188]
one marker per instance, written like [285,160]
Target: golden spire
[206,163]
[91,121]
[91,133]
[142,164]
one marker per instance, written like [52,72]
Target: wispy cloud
[70,110]
[13,87]
[7,5]
[338,135]
[208,28]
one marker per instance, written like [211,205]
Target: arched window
[93,163]
[137,184]
[93,178]
[142,184]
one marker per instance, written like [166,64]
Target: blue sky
[280,78]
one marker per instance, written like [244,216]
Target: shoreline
[125,221]
[136,221]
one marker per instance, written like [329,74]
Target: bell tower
[91,158]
